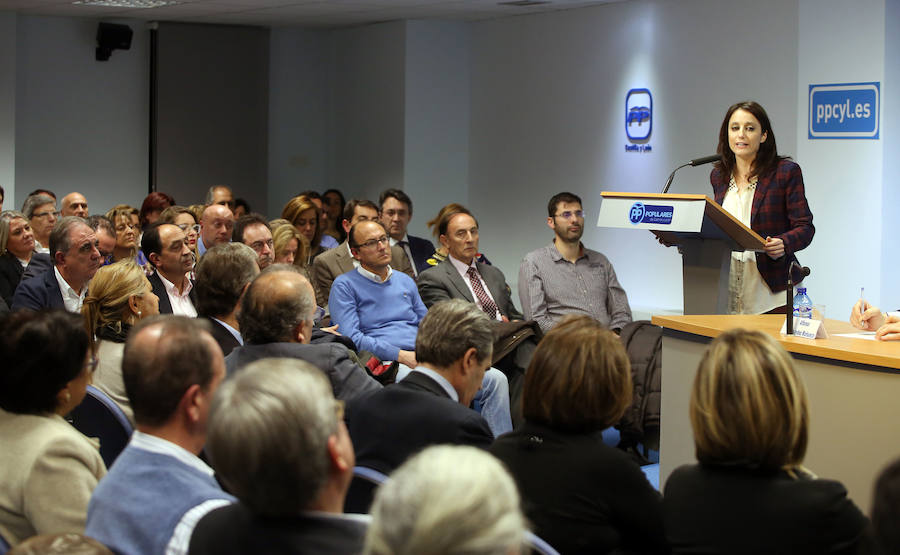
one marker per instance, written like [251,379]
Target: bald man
[216,226]
[74,204]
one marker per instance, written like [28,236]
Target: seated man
[453,348]
[290,485]
[253,230]
[73,204]
[166,248]
[566,278]
[396,212]
[159,488]
[886,325]
[276,320]
[380,310]
[216,224]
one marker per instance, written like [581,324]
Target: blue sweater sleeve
[344,304]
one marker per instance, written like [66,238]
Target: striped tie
[487,304]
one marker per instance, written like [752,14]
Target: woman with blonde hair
[290,246]
[17,246]
[750,493]
[304,215]
[126,232]
[582,495]
[118,296]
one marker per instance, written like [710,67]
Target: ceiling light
[137,4]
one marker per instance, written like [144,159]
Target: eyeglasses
[184,227]
[54,213]
[91,364]
[373,242]
[567,215]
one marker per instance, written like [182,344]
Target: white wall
[843,177]
[8,109]
[81,125]
[890,125]
[548,96]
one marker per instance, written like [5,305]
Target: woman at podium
[765,192]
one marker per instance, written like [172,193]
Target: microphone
[789,318]
[695,162]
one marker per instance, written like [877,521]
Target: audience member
[221,195]
[750,492]
[253,230]
[73,248]
[430,406]
[304,215]
[325,240]
[167,251]
[47,192]
[290,247]
[886,325]
[16,251]
[582,495]
[461,277]
[380,310]
[396,212]
[49,468]
[276,321]
[159,488]
[186,222]
[65,543]
[241,208]
[126,232]
[118,297]
[440,253]
[278,441]
[334,210]
[40,211]
[215,227]
[340,260]
[106,237]
[74,204]
[197,211]
[223,274]
[447,500]
[566,278]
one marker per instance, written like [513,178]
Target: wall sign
[638,120]
[844,111]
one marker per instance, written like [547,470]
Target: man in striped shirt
[566,278]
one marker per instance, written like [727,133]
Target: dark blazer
[779,210]
[443,282]
[348,379]
[390,425]
[736,510]
[10,275]
[581,495]
[337,261]
[38,293]
[223,337]
[421,249]
[40,263]
[165,305]
[234,529]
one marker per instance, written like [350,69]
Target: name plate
[807,327]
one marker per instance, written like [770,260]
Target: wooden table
[854,396]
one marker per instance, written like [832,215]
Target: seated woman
[440,253]
[447,499]
[290,246]
[153,206]
[16,250]
[583,496]
[126,232]
[750,492]
[334,212]
[118,296]
[304,215]
[49,467]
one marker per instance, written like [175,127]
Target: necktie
[487,305]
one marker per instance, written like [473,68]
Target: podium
[703,231]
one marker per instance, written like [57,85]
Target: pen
[862,301]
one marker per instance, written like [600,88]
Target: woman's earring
[139,314]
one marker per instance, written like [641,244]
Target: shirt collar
[372,276]
[156,444]
[65,288]
[441,380]
[460,266]
[170,287]
[395,241]
[231,330]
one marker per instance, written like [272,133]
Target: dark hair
[351,206]
[158,372]
[221,275]
[579,378]
[59,236]
[311,195]
[558,198]
[767,157]
[41,353]
[886,509]
[153,202]
[351,236]
[47,192]
[245,221]
[242,202]
[97,222]
[396,194]
[445,219]
[150,241]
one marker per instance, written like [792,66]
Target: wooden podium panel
[854,396]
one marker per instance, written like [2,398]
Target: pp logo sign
[641,213]
[844,111]
[636,214]
[638,114]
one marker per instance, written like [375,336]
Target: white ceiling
[301,13]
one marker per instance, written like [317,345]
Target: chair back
[362,489]
[538,545]
[99,416]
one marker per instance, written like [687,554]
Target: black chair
[362,489]
[99,416]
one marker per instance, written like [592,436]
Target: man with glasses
[253,230]
[167,250]
[40,210]
[396,212]
[565,278]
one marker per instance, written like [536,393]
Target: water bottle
[802,304]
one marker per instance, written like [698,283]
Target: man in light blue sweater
[159,488]
[380,310]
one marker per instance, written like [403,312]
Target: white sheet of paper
[870,335]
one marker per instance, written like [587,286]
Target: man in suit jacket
[429,406]
[280,508]
[396,212]
[73,248]
[166,248]
[337,261]
[222,276]
[461,277]
[277,320]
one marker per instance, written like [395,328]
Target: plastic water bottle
[802,304]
